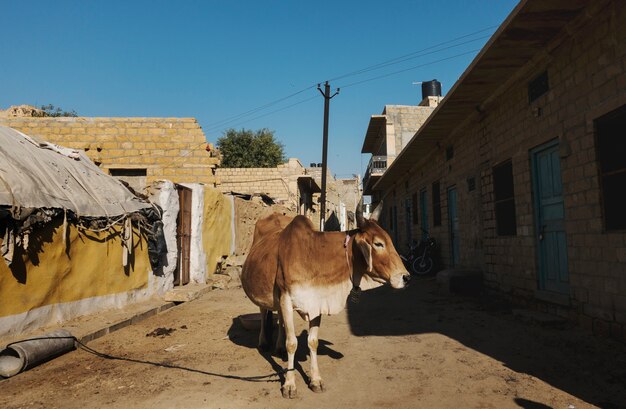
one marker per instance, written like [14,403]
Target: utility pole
[327,98]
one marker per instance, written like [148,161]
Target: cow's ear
[366,249]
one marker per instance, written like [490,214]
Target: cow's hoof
[317,386]
[289,391]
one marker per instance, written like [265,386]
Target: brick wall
[168,148]
[273,182]
[406,120]
[280,183]
[586,65]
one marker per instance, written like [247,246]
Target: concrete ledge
[186,293]
[92,326]
[554,298]
[460,281]
[539,318]
[139,313]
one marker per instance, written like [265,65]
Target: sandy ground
[394,349]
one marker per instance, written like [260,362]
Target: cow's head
[383,264]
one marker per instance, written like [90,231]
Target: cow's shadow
[250,339]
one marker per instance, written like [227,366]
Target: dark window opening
[471,184]
[611,150]
[538,86]
[504,199]
[135,178]
[436,204]
[127,172]
[449,152]
[414,210]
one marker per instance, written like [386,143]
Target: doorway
[553,274]
[453,221]
[183,236]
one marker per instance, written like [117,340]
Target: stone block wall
[280,183]
[167,148]
[406,120]
[586,66]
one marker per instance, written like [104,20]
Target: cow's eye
[379,244]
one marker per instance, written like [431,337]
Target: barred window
[504,199]
[611,151]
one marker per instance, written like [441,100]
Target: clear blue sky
[214,60]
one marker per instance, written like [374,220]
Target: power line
[408,69]
[219,124]
[277,110]
[393,61]
[416,54]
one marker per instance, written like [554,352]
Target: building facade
[136,150]
[519,171]
[288,184]
[388,133]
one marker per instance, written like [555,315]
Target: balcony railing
[376,167]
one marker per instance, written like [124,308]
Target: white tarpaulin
[36,174]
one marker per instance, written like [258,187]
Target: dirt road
[406,349]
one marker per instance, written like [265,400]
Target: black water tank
[431,89]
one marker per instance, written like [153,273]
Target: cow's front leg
[286,310]
[316,383]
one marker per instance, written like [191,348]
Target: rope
[81,345]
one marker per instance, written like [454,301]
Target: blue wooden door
[550,236]
[453,221]
[424,212]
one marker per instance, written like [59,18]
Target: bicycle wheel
[422,265]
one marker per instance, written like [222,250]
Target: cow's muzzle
[406,278]
[400,280]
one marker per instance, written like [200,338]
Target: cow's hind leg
[316,383]
[265,334]
[280,338]
[286,310]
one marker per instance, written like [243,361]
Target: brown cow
[258,274]
[294,267]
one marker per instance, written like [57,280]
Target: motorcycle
[419,260]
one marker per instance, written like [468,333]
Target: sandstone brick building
[142,151]
[139,150]
[288,183]
[388,133]
[520,171]
[296,187]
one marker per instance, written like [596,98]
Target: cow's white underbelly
[312,301]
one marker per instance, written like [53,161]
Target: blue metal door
[453,221]
[553,272]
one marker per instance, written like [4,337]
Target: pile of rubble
[228,273]
[22,111]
